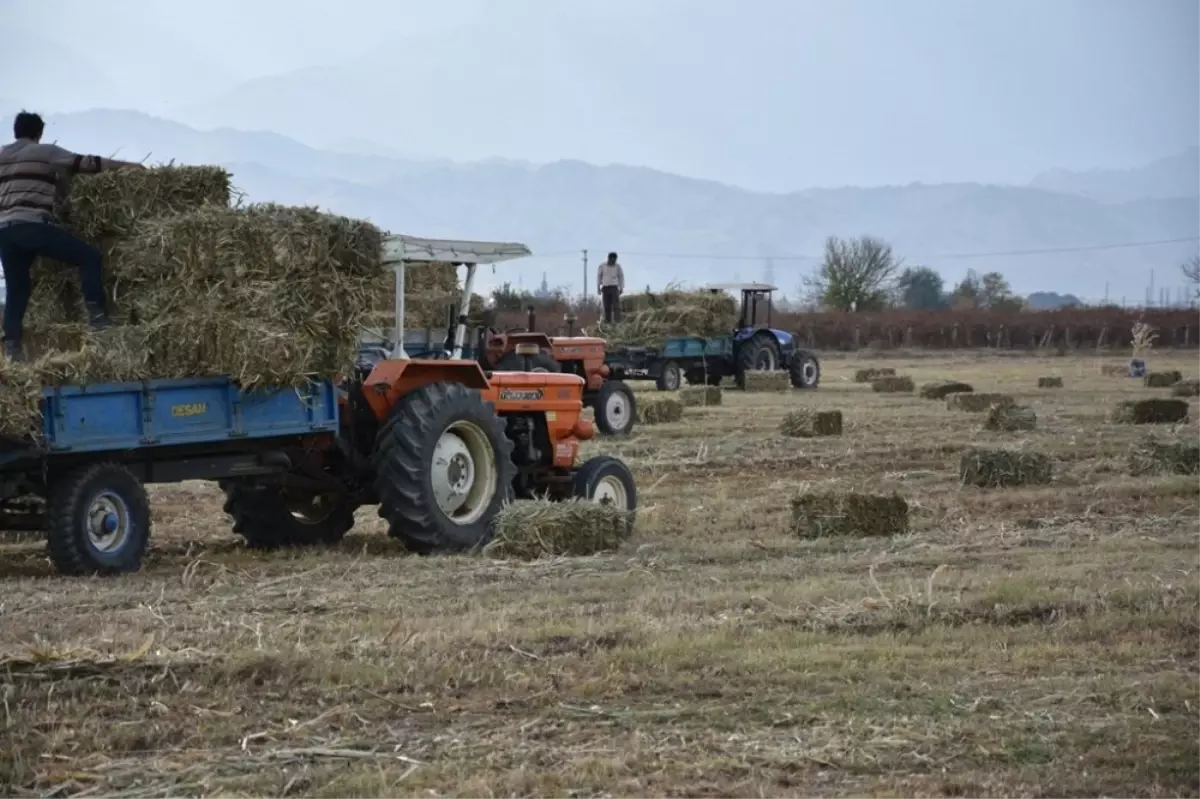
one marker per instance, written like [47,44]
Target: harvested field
[1037,640]
[976,403]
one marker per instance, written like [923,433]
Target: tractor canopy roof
[741,287]
[398,249]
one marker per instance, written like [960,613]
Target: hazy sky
[772,94]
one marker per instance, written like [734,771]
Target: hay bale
[700,396]
[658,409]
[874,373]
[528,530]
[1004,468]
[1186,388]
[818,515]
[811,424]
[1151,411]
[1010,418]
[940,389]
[648,318]
[767,381]
[1161,379]
[1149,457]
[1050,382]
[977,403]
[1114,370]
[893,385]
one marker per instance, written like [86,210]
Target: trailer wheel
[542,362]
[607,480]
[804,370]
[267,517]
[615,408]
[98,521]
[670,378]
[443,468]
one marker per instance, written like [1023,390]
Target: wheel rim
[809,371]
[463,472]
[765,360]
[616,410]
[611,491]
[540,369]
[108,522]
[311,509]
[671,378]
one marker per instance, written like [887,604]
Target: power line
[937,256]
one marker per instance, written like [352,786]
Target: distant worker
[610,284]
[32,179]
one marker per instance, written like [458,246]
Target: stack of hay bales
[265,294]
[818,515]
[1162,379]
[658,409]
[893,384]
[1004,468]
[811,424]
[648,318]
[700,396]
[869,375]
[528,530]
[940,389]
[1009,418]
[1149,457]
[977,403]
[768,381]
[1151,411]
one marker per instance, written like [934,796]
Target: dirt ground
[1020,642]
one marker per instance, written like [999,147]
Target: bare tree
[857,274]
[1191,270]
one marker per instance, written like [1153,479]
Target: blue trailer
[83,481]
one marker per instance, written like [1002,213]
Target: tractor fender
[393,379]
[541,339]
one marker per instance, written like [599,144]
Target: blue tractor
[753,345]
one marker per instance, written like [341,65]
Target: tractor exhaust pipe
[532,324]
[570,319]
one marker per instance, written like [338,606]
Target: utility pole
[584,296]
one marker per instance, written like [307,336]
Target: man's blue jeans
[21,243]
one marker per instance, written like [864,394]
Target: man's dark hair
[612,256]
[28,125]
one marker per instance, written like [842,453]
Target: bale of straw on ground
[1186,388]
[1004,468]
[940,389]
[658,409]
[1161,379]
[1050,382]
[893,384]
[532,529]
[1149,457]
[806,423]
[767,381]
[700,396]
[824,514]
[1114,369]
[977,403]
[873,373]
[1010,418]
[1151,411]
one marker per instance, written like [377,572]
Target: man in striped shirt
[32,178]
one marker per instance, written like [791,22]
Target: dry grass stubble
[1037,640]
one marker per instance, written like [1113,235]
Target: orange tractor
[612,401]
[439,443]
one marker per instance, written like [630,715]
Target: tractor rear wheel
[615,408]
[804,370]
[542,362]
[759,354]
[443,468]
[272,517]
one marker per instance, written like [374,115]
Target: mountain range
[671,228]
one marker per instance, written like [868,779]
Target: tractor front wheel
[615,408]
[443,467]
[804,370]
[607,480]
[273,517]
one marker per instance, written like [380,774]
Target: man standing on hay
[610,284]
[31,180]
